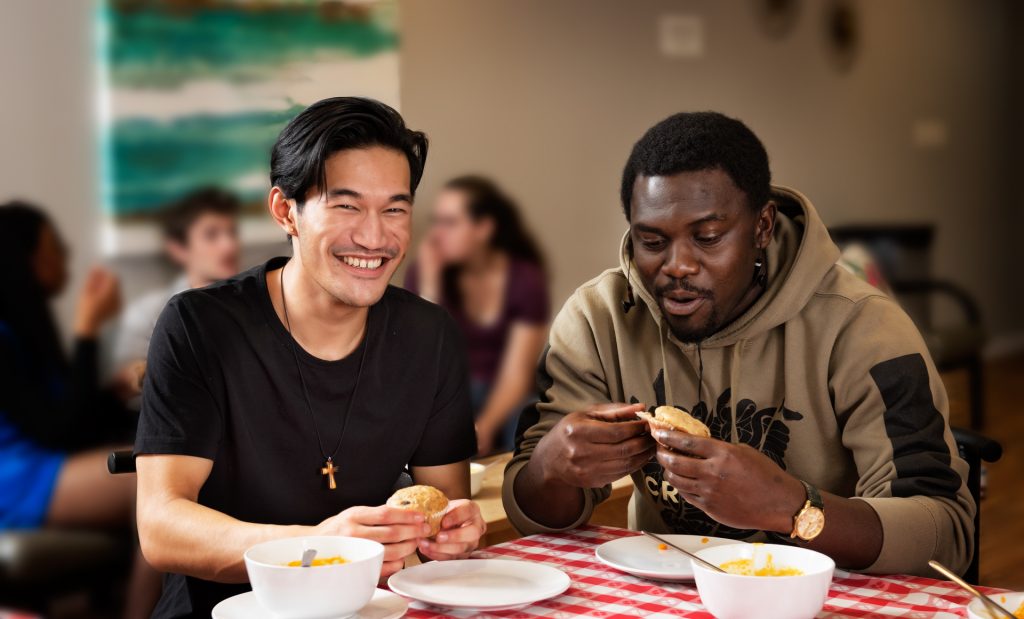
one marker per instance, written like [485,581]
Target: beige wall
[548,96]
[46,124]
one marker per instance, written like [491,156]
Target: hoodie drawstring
[700,376]
[663,335]
[734,373]
[664,365]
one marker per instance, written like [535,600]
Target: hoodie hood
[800,254]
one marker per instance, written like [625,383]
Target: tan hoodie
[824,374]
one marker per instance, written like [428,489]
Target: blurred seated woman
[480,263]
[53,416]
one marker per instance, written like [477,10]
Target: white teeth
[362,263]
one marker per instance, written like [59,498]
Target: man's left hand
[735,485]
[461,530]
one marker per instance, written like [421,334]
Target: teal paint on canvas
[157,162]
[155,50]
[155,46]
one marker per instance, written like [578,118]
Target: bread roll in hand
[672,418]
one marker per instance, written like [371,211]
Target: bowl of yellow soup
[341,580]
[767,581]
[1013,602]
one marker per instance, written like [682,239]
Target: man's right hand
[595,446]
[398,529]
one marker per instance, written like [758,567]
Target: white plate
[639,555]
[480,584]
[384,605]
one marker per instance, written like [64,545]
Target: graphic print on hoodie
[824,374]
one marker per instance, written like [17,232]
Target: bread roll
[427,500]
[672,418]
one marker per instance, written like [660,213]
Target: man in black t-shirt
[288,400]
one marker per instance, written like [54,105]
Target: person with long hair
[53,415]
[481,263]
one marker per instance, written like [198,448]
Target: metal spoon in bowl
[987,601]
[307,557]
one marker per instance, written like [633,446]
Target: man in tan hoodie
[829,423]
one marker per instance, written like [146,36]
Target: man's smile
[363,264]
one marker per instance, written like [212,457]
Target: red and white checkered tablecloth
[601,591]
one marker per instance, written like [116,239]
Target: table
[600,591]
[611,512]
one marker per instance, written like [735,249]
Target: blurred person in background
[480,263]
[201,238]
[53,413]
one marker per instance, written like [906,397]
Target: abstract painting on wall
[194,92]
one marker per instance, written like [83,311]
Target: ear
[176,251]
[765,226]
[283,210]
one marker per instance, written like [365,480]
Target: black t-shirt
[222,384]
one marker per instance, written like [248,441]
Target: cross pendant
[328,471]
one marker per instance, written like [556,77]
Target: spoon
[307,557]
[710,566]
[987,601]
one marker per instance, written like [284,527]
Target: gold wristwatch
[810,520]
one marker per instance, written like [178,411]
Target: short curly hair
[694,141]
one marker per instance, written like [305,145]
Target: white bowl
[322,592]
[730,596]
[1009,601]
[476,477]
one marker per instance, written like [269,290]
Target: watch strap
[813,496]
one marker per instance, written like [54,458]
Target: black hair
[24,306]
[176,220]
[694,141]
[339,123]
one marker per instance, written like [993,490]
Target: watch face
[809,523]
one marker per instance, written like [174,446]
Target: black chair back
[975,448]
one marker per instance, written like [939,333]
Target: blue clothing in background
[28,475]
[28,471]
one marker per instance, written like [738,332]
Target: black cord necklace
[329,469]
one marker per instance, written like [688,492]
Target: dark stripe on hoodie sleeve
[916,430]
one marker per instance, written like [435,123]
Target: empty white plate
[384,605]
[639,555]
[480,584]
